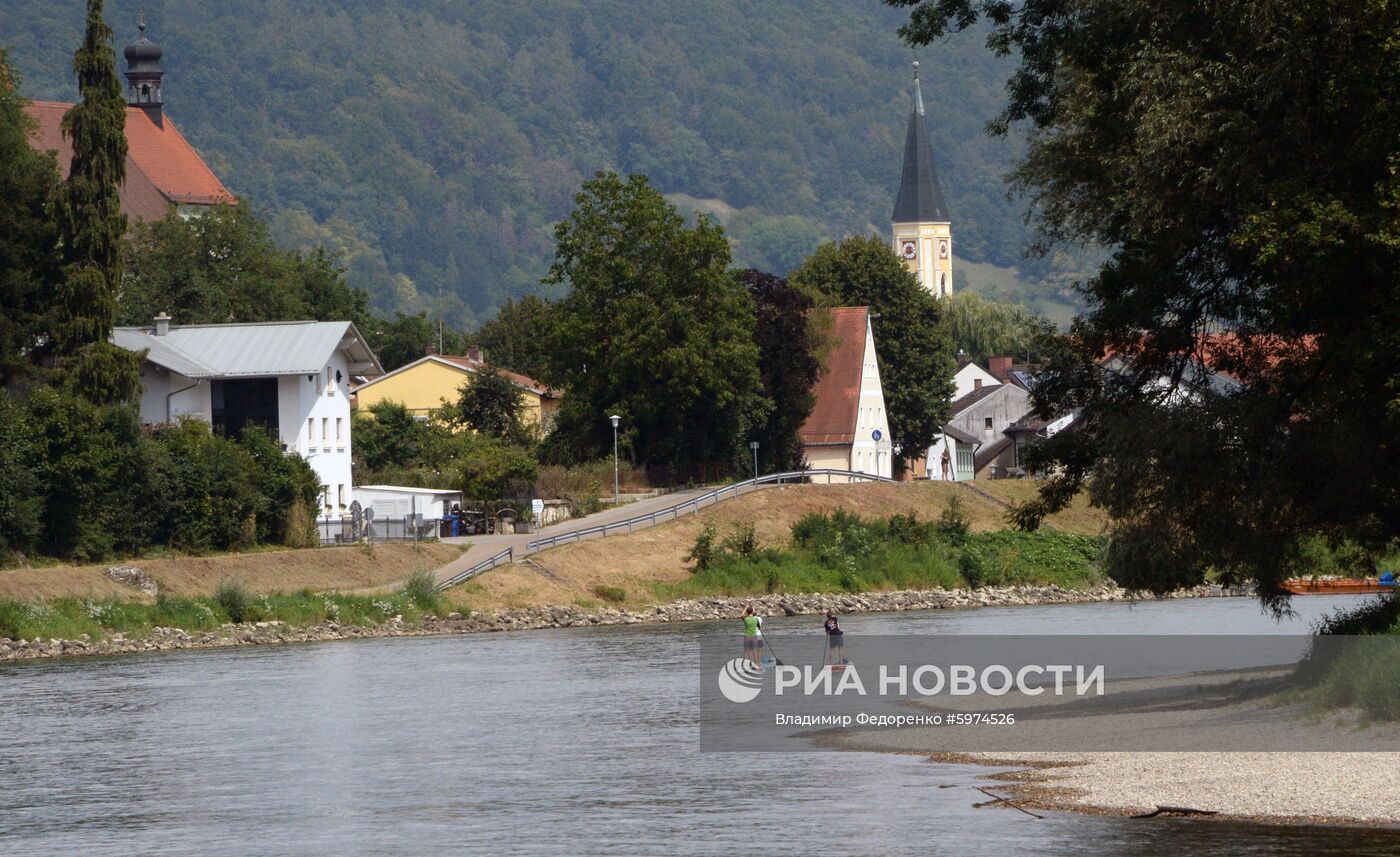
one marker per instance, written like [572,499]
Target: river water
[544,742]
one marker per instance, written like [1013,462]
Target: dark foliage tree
[87,214]
[914,350]
[224,266]
[1240,159]
[655,329]
[787,363]
[490,404]
[518,337]
[29,260]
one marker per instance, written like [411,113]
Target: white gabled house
[848,428]
[292,378]
[972,377]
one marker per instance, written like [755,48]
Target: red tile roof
[833,417]
[162,168]
[525,381]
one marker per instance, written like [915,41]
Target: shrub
[235,599]
[909,530]
[705,553]
[743,541]
[613,594]
[420,588]
[953,524]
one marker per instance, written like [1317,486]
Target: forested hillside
[434,142]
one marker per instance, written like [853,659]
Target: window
[340,496]
[326,431]
[987,423]
[330,385]
[339,438]
[310,431]
[326,498]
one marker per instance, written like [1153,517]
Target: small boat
[1339,585]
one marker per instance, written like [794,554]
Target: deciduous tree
[29,259]
[787,363]
[655,329]
[1241,160]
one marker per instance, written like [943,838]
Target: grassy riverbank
[344,568]
[652,564]
[841,552]
[77,618]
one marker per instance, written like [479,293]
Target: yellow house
[430,382]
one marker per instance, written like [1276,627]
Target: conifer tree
[87,214]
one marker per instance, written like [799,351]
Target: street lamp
[617,496]
[753,444]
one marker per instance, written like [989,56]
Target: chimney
[976,383]
[1000,367]
[162,324]
[475,354]
[429,350]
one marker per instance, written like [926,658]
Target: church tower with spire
[143,73]
[922,230]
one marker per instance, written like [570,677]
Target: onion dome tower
[143,74]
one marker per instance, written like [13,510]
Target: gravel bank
[1282,786]
[531,618]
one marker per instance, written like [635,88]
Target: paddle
[770,650]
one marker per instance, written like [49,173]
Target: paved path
[485,547]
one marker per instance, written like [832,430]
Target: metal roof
[407,489]
[249,350]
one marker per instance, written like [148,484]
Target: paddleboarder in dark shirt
[835,639]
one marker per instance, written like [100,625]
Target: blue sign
[877,435]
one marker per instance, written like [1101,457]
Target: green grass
[1361,670]
[850,555]
[842,552]
[71,618]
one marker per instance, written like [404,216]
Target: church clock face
[943,248]
[909,249]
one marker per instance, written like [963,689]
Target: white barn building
[292,378]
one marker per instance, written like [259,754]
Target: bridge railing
[693,505]
[505,556]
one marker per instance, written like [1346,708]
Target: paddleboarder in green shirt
[753,635]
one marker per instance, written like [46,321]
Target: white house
[972,377]
[292,378]
[848,428]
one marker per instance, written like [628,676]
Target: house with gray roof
[974,443]
[291,378]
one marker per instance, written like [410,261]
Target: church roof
[161,166]
[920,198]
[837,392]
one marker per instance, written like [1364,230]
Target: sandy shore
[1117,765]
[1283,786]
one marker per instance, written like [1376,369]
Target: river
[576,741]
